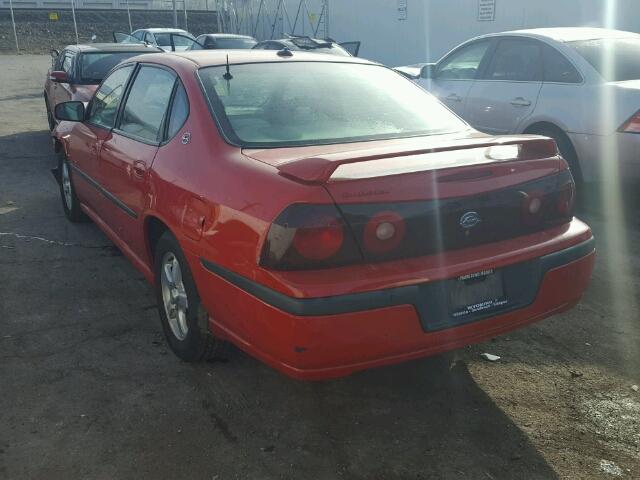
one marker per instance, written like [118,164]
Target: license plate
[476,292]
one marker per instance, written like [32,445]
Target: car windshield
[310,103]
[616,59]
[235,43]
[94,66]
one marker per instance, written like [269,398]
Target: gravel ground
[89,389]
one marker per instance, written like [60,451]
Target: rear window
[95,66]
[616,59]
[310,103]
[235,43]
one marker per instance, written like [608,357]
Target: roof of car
[572,34]
[112,47]
[161,30]
[228,35]
[208,58]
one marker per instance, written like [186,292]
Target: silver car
[580,86]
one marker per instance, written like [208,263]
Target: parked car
[77,71]
[301,43]
[579,86]
[168,39]
[324,214]
[213,41]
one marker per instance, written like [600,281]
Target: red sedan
[323,213]
[77,71]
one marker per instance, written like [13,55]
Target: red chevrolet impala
[322,213]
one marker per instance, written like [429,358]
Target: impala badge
[469,220]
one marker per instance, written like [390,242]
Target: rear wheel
[564,146]
[70,202]
[184,321]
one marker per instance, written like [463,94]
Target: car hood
[83,93]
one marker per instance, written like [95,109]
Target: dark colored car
[77,71]
[309,44]
[322,213]
[228,41]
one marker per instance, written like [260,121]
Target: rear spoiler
[321,169]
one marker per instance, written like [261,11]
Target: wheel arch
[154,228]
[574,161]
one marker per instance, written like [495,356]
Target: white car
[168,39]
[580,86]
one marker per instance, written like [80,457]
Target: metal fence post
[186,27]
[75,25]
[13,22]
[129,16]
[175,15]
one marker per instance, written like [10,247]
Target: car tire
[50,119]
[564,146]
[184,320]
[70,202]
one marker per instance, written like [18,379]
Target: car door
[127,155]
[454,74]
[84,145]
[506,92]
[62,91]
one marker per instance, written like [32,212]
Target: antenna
[227,76]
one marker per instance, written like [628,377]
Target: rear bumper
[319,338]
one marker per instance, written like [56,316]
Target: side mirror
[54,53]
[70,111]
[59,77]
[428,71]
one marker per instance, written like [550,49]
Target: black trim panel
[431,294]
[119,203]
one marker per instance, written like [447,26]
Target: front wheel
[184,321]
[50,119]
[70,202]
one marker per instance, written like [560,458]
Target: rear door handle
[454,98]
[520,102]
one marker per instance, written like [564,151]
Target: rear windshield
[235,43]
[95,66]
[616,59]
[310,103]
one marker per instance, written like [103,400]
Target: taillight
[550,205]
[306,236]
[632,125]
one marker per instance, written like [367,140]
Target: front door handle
[454,98]
[520,102]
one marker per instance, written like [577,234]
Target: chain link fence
[37,26]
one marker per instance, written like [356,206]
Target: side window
[557,68]
[149,38]
[208,42]
[179,111]
[104,105]
[463,64]
[59,59]
[516,60]
[67,62]
[139,35]
[147,103]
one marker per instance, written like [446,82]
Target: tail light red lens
[306,236]
[320,239]
[632,125]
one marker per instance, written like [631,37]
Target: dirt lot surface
[90,390]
